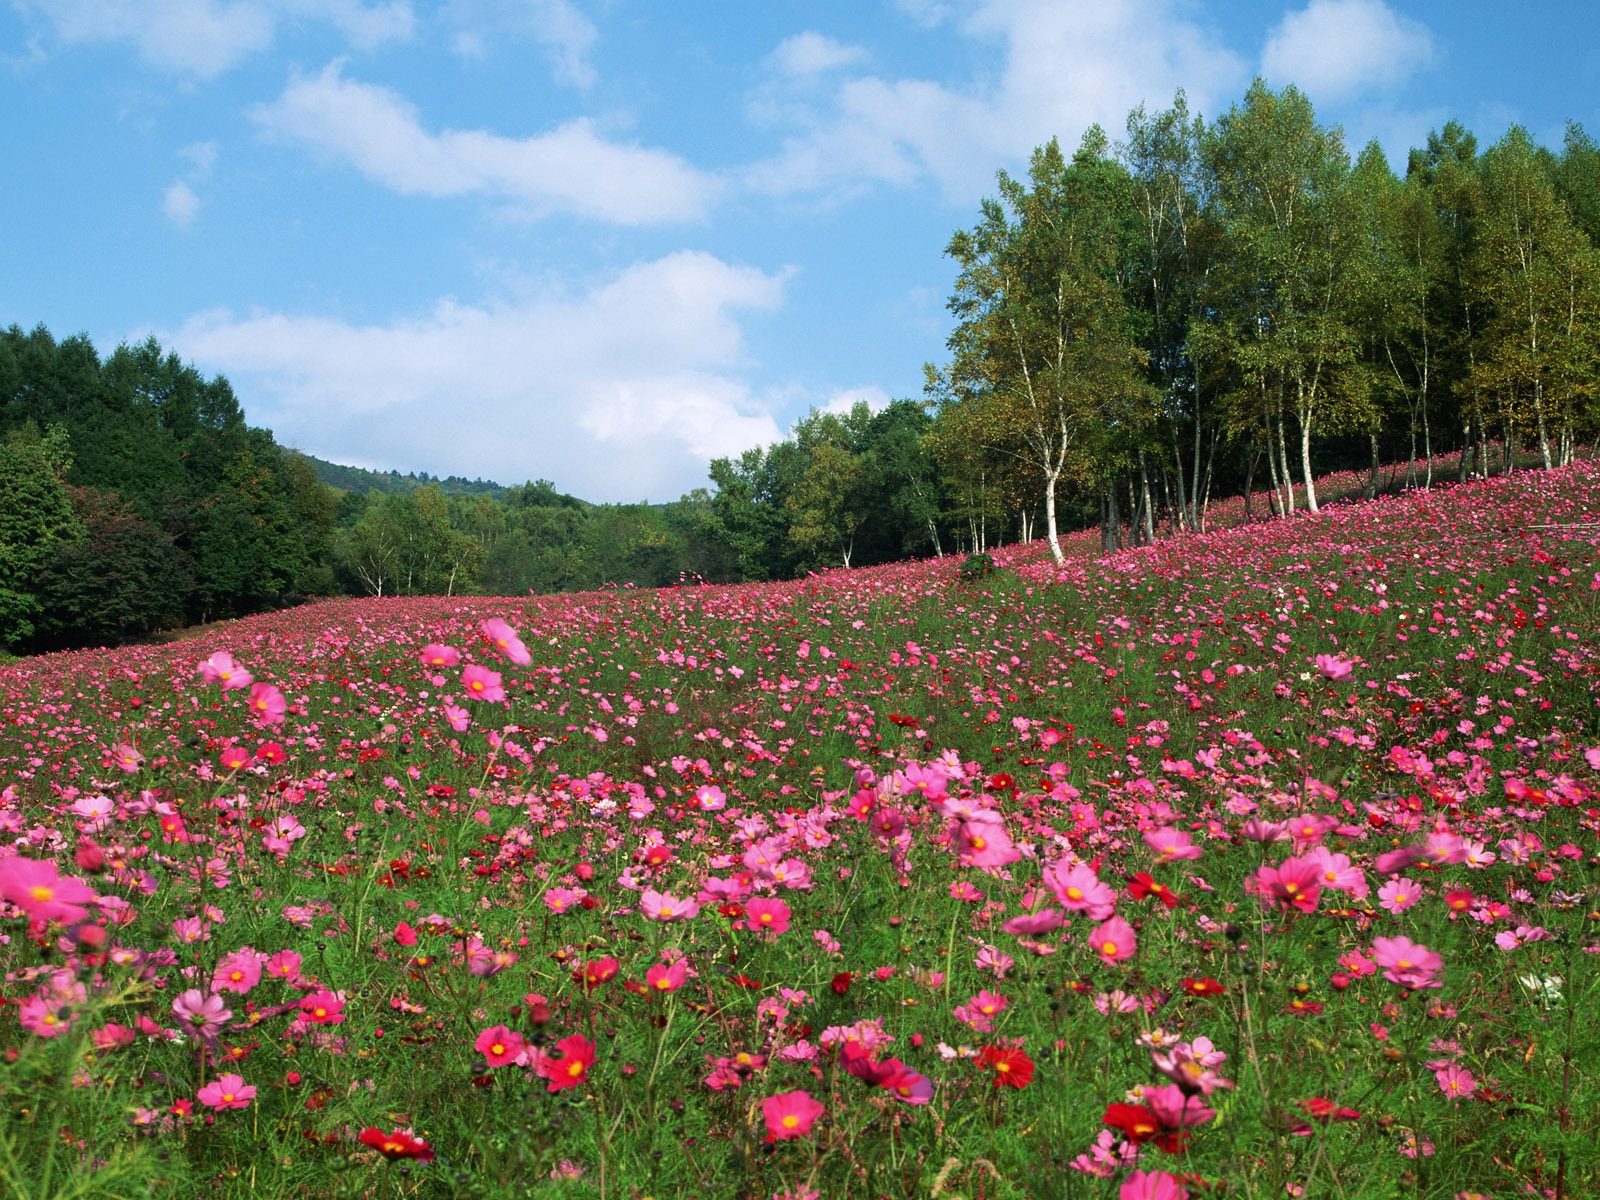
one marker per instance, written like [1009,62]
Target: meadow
[1257,863]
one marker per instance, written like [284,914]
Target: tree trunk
[1059,558]
[1144,500]
[1249,482]
[1303,414]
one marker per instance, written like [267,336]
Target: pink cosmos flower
[46,1014]
[482,683]
[1334,667]
[1152,1185]
[35,886]
[1456,1082]
[499,1045]
[322,1008]
[285,964]
[1407,963]
[1337,873]
[1080,889]
[234,757]
[220,668]
[202,1015]
[985,845]
[1033,924]
[228,1091]
[237,972]
[1398,895]
[790,1115]
[659,906]
[1176,1108]
[507,641]
[1113,940]
[267,703]
[127,758]
[457,717]
[771,916]
[1293,883]
[439,656]
[667,977]
[1171,845]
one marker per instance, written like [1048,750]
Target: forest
[1193,310]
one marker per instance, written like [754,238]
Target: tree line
[1202,309]
[1198,309]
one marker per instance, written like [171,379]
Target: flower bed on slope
[1251,862]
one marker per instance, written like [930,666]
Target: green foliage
[977,566]
[35,517]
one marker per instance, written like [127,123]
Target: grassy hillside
[1260,862]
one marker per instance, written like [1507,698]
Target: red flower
[841,984]
[572,1068]
[1322,1110]
[744,981]
[1136,1122]
[592,974]
[1204,986]
[399,1144]
[1143,884]
[1011,1067]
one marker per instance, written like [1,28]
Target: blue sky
[603,241]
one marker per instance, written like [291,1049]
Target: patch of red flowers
[399,1144]
[1010,1066]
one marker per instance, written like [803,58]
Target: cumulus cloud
[1064,65]
[571,169]
[567,36]
[623,392]
[179,204]
[807,54]
[1332,49]
[206,37]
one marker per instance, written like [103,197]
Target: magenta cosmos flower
[267,703]
[506,640]
[499,1045]
[1113,940]
[228,1091]
[37,888]
[1407,963]
[438,655]
[482,683]
[790,1115]
[220,668]
[1334,667]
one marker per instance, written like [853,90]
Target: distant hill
[359,479]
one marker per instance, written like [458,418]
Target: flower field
[1260,863]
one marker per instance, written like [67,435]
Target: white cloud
[571,169]
[1336,48]
[844,400]
[623,392]
[206,37]
[566,34]
[180,204]
[1064,65]
[807,54]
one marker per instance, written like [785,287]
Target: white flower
[1546,990]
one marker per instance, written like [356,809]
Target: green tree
[35,517]
[1295,262]
[1043,358]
